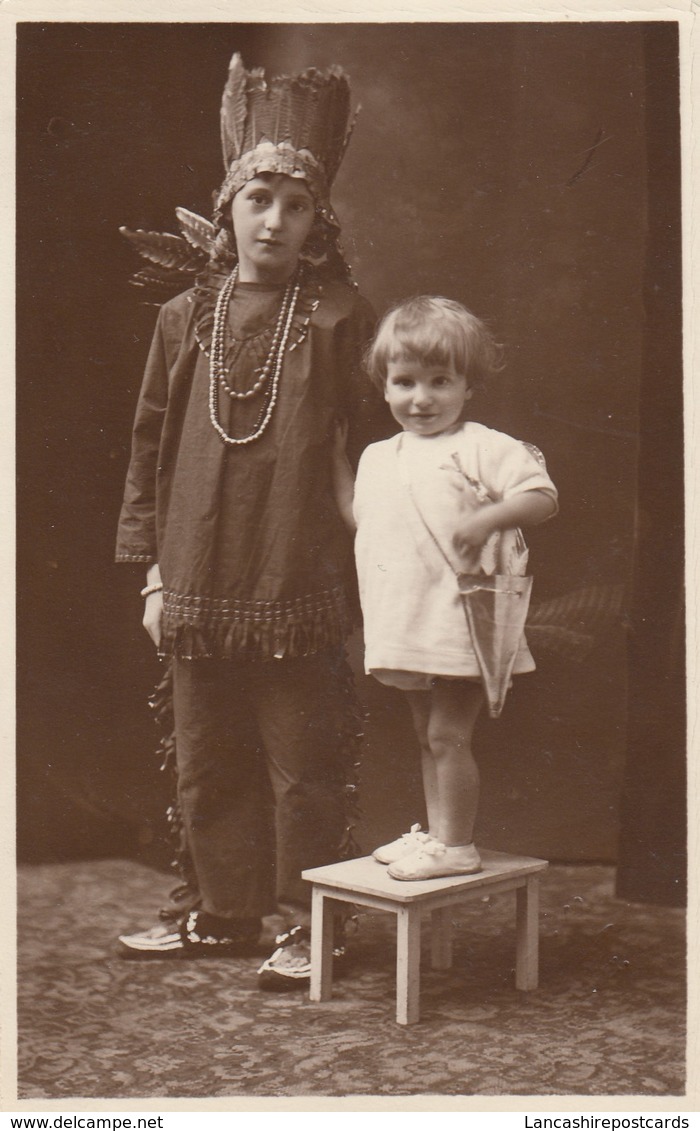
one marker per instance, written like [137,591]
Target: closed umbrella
[496,608]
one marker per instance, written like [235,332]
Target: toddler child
[428,504]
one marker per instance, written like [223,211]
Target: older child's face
[272,216]
[425,399]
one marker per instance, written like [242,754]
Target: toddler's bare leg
[420,704]
[454,708]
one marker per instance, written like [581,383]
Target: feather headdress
[298,125]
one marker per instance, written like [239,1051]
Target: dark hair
[437,331]
[321,251]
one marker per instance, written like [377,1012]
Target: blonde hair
[437,331]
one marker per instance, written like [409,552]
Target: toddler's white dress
[410,493]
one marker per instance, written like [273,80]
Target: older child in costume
[430,504]
[229,503]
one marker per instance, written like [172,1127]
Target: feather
[334,163]
[163,248]
[285,127]
[234,112]
[331,123]
[197,231]
[338,120]
[163,279]
[256,79]
[256,90]
[265,113]
[571,625]
[299,99]
[281,125]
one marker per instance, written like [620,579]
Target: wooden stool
[366,883]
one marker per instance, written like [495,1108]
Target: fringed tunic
[254,558]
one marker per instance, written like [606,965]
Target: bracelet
[151,589]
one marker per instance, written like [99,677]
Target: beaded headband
[297,125]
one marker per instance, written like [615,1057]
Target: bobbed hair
[436,331]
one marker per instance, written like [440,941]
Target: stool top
[365,875]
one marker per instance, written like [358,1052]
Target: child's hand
[472,533]
[153,616]
[525,509]
[342,473]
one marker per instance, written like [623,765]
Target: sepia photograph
[351,753]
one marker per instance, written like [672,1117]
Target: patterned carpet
[608,1018]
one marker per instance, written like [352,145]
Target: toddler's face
[425,399]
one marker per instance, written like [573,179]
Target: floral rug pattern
[607,1019]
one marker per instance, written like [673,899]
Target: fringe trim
[185,896]
[352,739]
[268,632]
[146,558]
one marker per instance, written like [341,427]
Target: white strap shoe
[431,860]
[407,842]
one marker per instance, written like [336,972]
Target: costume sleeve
[507,467]
[360,401]
[136,533]
[364,465]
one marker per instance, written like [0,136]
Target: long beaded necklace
[218,372]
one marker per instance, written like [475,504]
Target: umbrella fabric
[496,608]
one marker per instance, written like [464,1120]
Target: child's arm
[343,477]
[153,612]
[526,509]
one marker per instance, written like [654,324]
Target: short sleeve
[508,467]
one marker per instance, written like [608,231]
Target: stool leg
[407,965]
[441,939]
[321,947]
[527,935]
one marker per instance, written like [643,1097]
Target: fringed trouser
[261,774]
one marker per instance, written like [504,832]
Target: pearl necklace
[273,363]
